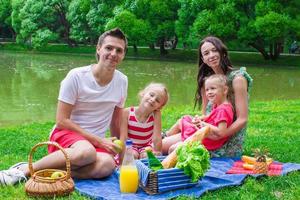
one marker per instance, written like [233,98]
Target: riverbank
[188,55]
[273,125]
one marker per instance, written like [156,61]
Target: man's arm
[116,122]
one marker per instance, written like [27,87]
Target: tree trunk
[135,50]
[152,46]
[174,45]
[64,22]
[162,49]
[261,49]
[13,33]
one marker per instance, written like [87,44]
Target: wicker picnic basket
[42,185]
[165,179]
[152,185]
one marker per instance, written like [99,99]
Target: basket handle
[68,165]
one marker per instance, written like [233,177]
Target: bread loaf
[171,160]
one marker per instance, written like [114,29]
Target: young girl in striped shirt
[142,124]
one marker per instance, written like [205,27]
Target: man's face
[111,52]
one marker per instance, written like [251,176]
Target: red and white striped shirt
[140,132]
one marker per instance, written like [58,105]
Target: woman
[91,99]
[213,59]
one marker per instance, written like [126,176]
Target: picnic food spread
[171,160]
[258,164]
[191,156]
[194,159]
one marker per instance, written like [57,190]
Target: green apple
[55,175]
[119,143]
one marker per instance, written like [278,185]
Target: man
[91,99]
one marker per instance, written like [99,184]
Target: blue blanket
[215,178]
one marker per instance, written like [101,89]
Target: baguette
[171,160]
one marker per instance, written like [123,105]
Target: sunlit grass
[273,125]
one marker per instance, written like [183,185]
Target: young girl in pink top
[142,124]
[221,117]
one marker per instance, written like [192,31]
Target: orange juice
[129,179]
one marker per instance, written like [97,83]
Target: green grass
[273,125]
[238,58]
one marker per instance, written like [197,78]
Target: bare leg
[168,141]
[136,154]
[103,167]
[143,154]
[175,129]
[80,153]
[174,146]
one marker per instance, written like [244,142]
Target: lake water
[30,83]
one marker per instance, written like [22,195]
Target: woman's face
[210,55]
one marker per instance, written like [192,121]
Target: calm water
[30,83]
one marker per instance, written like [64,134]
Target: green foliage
[99,14]
[41,38]
[272,26]
[137,30]
[193,158]
[77,17]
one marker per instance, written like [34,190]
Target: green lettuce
[194,159]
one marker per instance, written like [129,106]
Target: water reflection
[30,82]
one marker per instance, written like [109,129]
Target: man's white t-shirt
[93,104]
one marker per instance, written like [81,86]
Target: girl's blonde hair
[222,80]
[157,85]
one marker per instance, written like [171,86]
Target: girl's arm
[63,121]
[216,132]
[123,131]
[239,85]
[156,138]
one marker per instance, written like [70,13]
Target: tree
[160,15]
[264,25]
[137,30]
[80,30]
[187,13]
[39,22]
[16,21]
[99,14]
[218,20]
[5,19]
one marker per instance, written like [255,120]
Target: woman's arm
[156,138]
[63,121]
[204,101]
[239,85]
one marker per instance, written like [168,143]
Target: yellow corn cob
[171,160]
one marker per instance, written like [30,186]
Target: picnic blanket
[274,169]
[215,178]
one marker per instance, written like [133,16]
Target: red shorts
[66,138]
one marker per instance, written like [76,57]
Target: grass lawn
[273,125]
